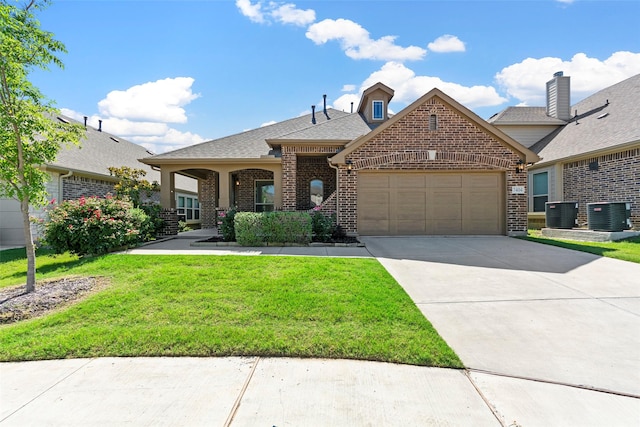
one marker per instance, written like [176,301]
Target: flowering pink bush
[93,225]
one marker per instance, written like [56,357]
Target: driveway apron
[525,310]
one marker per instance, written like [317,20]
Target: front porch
[300,183]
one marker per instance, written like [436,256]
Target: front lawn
[227,306]
[626,250]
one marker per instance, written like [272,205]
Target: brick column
[170,226]
[289,173]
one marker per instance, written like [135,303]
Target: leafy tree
[29,135]
[132,184]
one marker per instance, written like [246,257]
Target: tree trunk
[28,240]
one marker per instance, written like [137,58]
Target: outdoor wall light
[519,166]
[237,182]
[349,166]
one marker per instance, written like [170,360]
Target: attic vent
[433,122]
[602,116]
[114,139]
[63,120]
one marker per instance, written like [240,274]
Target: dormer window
[378,110]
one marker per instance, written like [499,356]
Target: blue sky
[167,74]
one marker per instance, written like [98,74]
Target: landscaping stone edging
[288,245]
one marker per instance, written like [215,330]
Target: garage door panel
[446,205]
[444,181]
[410,206]
[374,181]
[406,203]
[377,205]
[481,181]
[409,181]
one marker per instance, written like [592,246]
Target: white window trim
[373,109]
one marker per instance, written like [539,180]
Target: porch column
[224,200]
[277,182]
[167,189]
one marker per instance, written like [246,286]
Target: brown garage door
[405,203]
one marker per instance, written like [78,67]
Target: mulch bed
[16,304]
[346,239]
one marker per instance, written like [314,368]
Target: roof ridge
[327,122]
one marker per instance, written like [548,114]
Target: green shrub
[286,227]
[152,226]
[248,228]
[257,229]
[226,224]
[322,226]
[91,226]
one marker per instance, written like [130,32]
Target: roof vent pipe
[313,114]
[351,107]
[85,121]
[99,125]
[324,110]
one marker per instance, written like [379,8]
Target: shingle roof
[599,125]
[100,150]
[252,143]
[344,128]
[524,115]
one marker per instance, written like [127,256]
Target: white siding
[11,233]
[527,135]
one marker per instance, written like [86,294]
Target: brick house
[590,152]
[84,171]
[433,168]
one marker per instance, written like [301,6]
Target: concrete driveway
[524,310]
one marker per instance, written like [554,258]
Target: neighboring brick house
[433,168]
[83,171]
[590,152]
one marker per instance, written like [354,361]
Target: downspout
[337,189]
[60,185]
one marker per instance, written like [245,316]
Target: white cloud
[348,88]
[343,103]
[142,113]
[171,140]
[269,123]
[161,100]
[526,80]
[289,14]
[251,11]
[446,43]
[357,43]
[408,87]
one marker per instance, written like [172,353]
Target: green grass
[227,306]
[13,265]
[626,250]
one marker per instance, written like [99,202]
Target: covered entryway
[429,203]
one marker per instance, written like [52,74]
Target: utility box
[561,214]
[609,216]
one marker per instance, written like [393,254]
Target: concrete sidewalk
[236,392]
[550,337]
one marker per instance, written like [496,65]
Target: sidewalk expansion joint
[47,389]
[518,300]
[236,404]
[484,398]
[552,382]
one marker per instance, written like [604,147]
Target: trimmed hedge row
[257,229]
